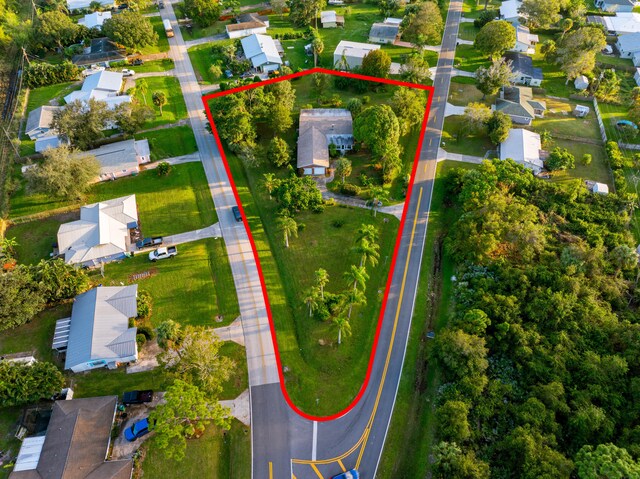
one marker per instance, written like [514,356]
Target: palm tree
[343,325]
[159,99]
[357,275]
[353,298]
[322,278]
[378,195]
[368,232]
[269,182]
[8,247]
[311,300]
[367,251]
[289,227]
[142,87]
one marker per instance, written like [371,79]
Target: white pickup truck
[163,253]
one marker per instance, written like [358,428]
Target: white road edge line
[314,444]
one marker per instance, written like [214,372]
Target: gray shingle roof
[384,30]
[523,64]
[319,127]
[40,118]
[100,325]
[76,443]
[518,101]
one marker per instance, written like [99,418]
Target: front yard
[174,110]
[170,142]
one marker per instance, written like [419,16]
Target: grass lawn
[185,189]
[596,171]
[163,65]
[469,59]
[611,114]
[559,120]
[468,31]
[44,94]
[167,143]
[475,145]
[222,454]
[174,110]
[202,58]
[163,41]
[461,94]
[9,418]
[192,288]
[413,416]
[36,238]
[473,8]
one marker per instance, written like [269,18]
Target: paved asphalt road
[284,444]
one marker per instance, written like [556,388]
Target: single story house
[98,334]
[253,17]
[636,77]
[614,6]
[261,51]
[103,86]
[76,444]
[523,71]
[95,19]
[384,32]
[518,103]
[319,128]
[239,30]
[581,82]
[329,19]
[348,55]
[101,234]
[525,40]
[523,147]
[45,142]
[122,158]
[509,11]
[39,122]
[80,4]
[621,23]
[628,44]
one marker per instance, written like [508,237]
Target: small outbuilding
[581,111]
[329,19]
[581,82]
[600,188]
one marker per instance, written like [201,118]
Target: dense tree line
[38,74]
[22,383]
[541,355]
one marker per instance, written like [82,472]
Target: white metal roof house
[349,55]
[330,19]
[628,44]
[95,19]
[621,23]
[76,444]
[121,159]
[318,129]
[614,6]
[523,70]
[101,234]
[523,147]
[525,40]
[509,11]
[79,4]
[98,332]
[518,103]
[262,52]
[384,32]
[103,86]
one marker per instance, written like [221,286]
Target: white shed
[581,82]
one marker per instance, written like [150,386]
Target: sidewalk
[212,231]
[450,110]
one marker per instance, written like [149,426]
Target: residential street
[284,443]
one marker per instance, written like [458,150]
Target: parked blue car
[138,430]
[352,474]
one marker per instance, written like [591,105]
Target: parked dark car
[139,429]
[137,61]
[150,241]
[236,214]
[137,397]
[160,5]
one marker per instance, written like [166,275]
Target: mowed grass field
[171,204]
[174,110]
[170,142]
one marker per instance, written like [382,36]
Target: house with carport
[318,129]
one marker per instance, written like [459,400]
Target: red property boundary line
[205,100]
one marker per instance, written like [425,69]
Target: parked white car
[128,73]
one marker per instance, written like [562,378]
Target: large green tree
[409,106]
[131,116]
[82,124]
[490,79]
[278,152]
[22,383]
[378,128]
[281,98]
[233,119]
[541,13]
[560,159]
[20,298]
[495,38]
[376,63]
[59,280]
[56,30]
[131,30]
[295,194]
[498,126]
[576,53]
[606,461]
[64,173]
[185,413]
[415,68]
[423,24]
[305,12]
[203,12]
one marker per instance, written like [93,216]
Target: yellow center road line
[270,470]
[365,435]
[315,469]
[344,469]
